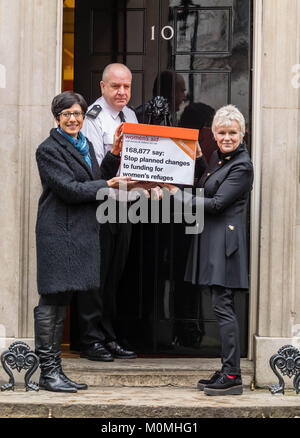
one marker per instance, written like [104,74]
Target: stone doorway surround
[275,211]
[31,48]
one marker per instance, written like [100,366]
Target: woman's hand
[120,182]
[172,189]
[145,185]
[118,141]
[198,150]
[156,193]
[150,189]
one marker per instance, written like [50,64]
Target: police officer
[103,117]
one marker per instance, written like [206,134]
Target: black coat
[67,231]
[218,256]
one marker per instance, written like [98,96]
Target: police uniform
[99,127]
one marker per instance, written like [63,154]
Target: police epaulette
[94,111]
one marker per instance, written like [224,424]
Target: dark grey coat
[218,256]
[67,232]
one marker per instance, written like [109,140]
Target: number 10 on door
[167,33]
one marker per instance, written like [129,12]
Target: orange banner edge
[160,131]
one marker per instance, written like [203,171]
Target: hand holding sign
[118,141]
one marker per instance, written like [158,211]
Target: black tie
[121,115]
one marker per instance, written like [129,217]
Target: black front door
[196,53]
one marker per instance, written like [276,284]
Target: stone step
[145,388]
[144,372]
[148,372]
[147,403]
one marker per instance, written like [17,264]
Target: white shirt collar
[114,113]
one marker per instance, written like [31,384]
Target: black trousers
[96,308]
[87,320]
[222,301]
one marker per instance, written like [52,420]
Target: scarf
[79,143]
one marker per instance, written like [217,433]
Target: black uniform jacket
[218,256]
[67,231]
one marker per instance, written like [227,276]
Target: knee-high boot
[58,334]
[44,323]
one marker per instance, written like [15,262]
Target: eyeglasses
[67,115]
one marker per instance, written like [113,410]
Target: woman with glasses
[67,231]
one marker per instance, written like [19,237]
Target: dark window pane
[210,88]
[136,89]
[203,30]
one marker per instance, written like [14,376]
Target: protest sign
[159,153]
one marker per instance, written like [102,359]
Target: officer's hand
[118,141]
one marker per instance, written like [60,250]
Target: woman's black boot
[58,334]
[44,324]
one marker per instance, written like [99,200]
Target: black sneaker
[204,382]
[225,386]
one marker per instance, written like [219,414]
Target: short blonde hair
[225,115]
